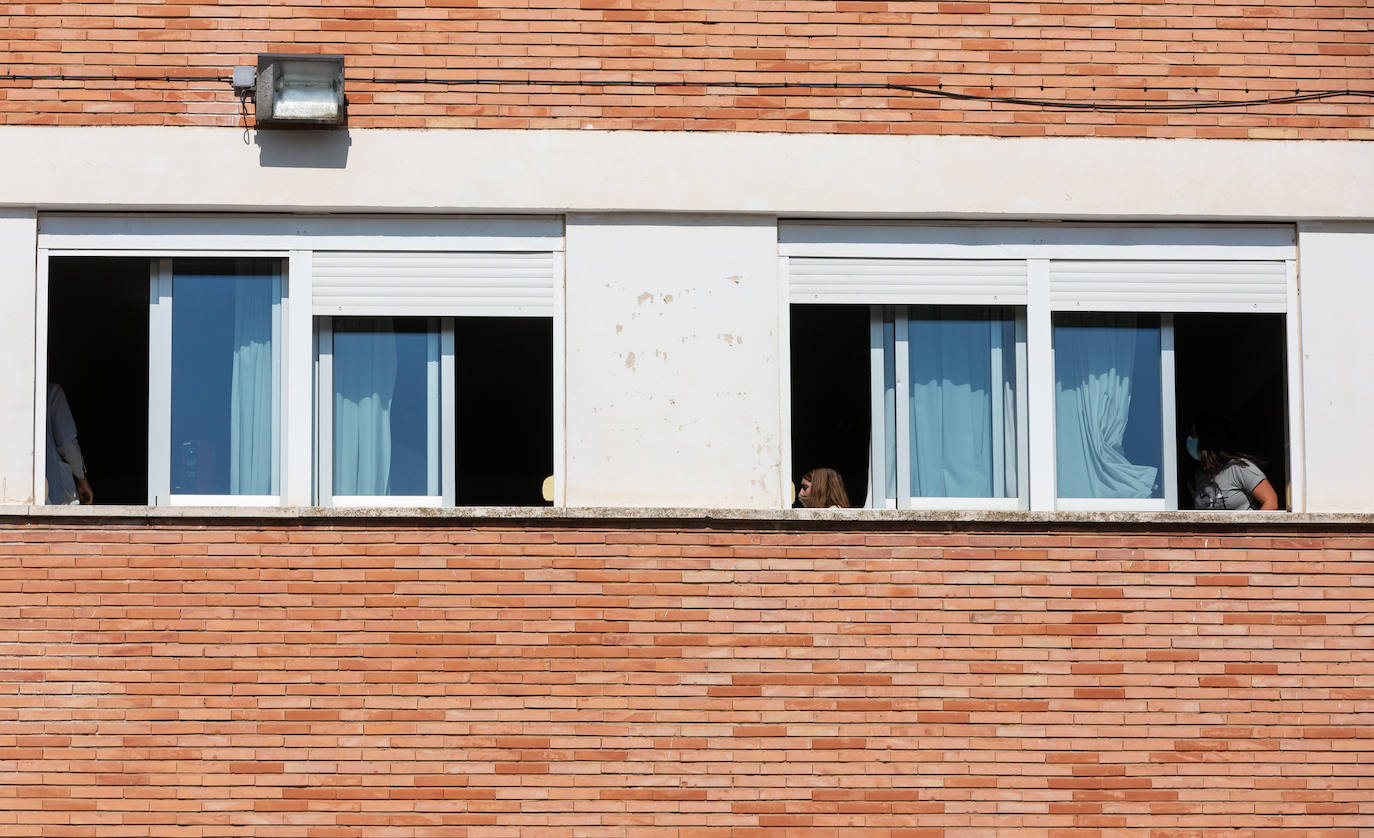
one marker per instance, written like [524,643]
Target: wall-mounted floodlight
[295,89]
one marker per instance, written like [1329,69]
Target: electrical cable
[1157,106]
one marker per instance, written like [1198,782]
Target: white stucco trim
[363,170]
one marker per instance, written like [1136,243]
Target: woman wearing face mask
[1226,478]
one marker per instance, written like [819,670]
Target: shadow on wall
[303,148]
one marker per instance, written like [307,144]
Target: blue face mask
[1191,444]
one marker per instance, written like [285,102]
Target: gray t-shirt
[1229,488]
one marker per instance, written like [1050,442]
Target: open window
[267,360]
[1229,369]
[433,411]
[98,354]
[1046,366]
[172,369]
[831,419]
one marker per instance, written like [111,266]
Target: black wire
[1048,104]
[60,77]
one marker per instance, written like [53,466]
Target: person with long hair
[1226,478]
[823,488]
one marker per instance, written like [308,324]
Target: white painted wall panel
[1336,282]
[18,299]
[812,175]
[673,376]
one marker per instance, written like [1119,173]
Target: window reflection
[225,376]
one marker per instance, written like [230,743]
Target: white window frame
[1169,442]
[443,367]
[294,239]
[1040,245]
[902,421]
[160,389]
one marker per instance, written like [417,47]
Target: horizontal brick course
[529,52]
[731,680]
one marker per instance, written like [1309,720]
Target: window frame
[1168,423]
[877,476]
[293,239]
[324,426]
[1038,246]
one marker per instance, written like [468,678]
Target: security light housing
[300,90]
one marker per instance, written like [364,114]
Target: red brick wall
[1113,52]
[621,680]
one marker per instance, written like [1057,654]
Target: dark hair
[1217,446]
[827,489]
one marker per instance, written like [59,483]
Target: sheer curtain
[252,386]
[365,368]
[1096,370]
[962,398]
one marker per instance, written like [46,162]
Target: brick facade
[66,54]
[734,680]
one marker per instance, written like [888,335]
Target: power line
[1100,106]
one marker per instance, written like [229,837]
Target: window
[381,411]
[223,388]
[1108,405]
[266,360]
[949,409]
[173,370]
[1042,366]
[434,411]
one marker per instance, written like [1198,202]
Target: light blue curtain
[961,397]
[365,368]
[1096,367]
[252,386]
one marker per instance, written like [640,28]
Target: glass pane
[1108,407]
[386,407]
[963,402]
[225,376]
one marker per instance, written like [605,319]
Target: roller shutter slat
[1169,285]
[438,284]
[876,281]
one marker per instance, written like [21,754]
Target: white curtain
[252,390]
[1094,369]
[365,361]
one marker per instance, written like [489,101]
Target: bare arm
[1265,494]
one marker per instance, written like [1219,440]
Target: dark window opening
[98,353]
[1233,367]
[504,411]
[830,393]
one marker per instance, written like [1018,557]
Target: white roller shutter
[450,284]
[1183,286]
[874,281]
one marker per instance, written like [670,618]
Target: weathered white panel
[994,240]
[1336,281]
[282,231]
[1126,285]
[18,302]
[434,284]
[673,369]
[816,175]
[907,281]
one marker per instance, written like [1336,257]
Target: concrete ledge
[461,516]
